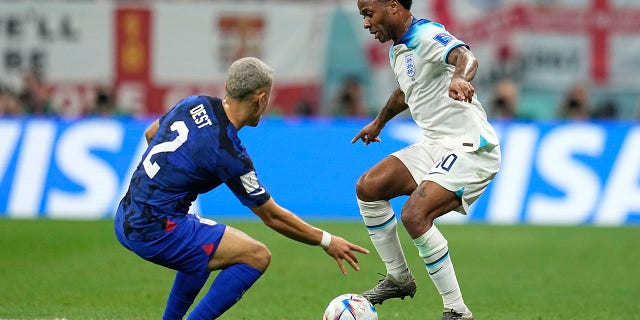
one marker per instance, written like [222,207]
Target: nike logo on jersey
[257,192]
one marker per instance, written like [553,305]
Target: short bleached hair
[246,75]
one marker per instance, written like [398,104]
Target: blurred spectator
[9,103]
[35,95]
[575,105]
[104,102]
[350,101]
[608,110]
[305,107]
[504,100]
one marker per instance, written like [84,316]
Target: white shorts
[466,173]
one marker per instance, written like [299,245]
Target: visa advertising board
[552,173]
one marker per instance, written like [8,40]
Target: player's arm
[290,225]
[466,67]
[392,108]
[151,130]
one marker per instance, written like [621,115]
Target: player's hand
[368,134]
[341,249]
[461,90]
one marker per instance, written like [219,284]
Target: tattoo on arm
[465,62]
[420,191]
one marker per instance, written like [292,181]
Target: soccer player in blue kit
[193,149]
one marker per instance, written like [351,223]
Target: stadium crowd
[34,98]
[503,102]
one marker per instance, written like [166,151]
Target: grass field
[53,269]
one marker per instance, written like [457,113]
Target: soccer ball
[350,306]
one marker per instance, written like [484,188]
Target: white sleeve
[436,43]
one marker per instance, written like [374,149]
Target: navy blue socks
[184,291]
[226,290]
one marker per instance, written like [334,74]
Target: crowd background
[33,98]
[502,102]
[355,82]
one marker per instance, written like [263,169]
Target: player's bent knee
[260,257]
[237,247]
[265,258]
[366,188]
[415,222]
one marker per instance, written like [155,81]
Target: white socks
[382,225]
[433,249]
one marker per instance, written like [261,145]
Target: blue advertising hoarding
[552,173]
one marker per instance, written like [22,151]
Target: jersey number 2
[152,168]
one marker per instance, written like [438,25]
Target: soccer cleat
[388,288]
[450,314]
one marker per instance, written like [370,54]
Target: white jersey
[419,63]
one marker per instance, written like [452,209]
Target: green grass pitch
[56,269]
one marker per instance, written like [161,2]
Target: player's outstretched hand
[369,133]
[341,249]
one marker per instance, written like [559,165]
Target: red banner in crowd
[599,21]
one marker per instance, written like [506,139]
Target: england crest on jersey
[411,66]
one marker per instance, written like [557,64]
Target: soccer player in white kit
[446,172]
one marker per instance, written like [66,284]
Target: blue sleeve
[249,190]
[238,173]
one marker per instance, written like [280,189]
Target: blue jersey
[195,149]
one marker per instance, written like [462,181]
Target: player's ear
[258,99]
[260,96]
[393,4]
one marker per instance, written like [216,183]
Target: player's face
[374,13]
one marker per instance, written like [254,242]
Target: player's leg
[186,287]
[386,180]
[187,248]
[242,260]
[428,202]
[454,183]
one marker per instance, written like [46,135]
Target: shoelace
[454,315]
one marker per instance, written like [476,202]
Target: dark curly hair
[406,3]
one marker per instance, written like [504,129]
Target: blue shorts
[187,247]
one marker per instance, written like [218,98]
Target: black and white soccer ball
[350,306]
